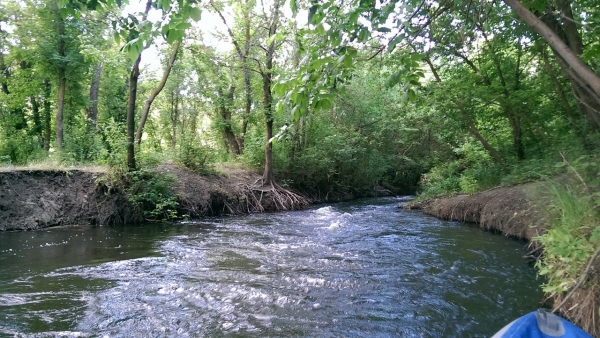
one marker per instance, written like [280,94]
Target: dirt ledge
[32,199]
[36,199]
[509,210]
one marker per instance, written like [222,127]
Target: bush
[573,242]
[192,155]
[152,193]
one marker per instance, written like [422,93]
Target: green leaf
[411,95]
[393,43]
[294,6]
[133,51]
[348,61]
[311,13]
[384,30]
[174,35]
[195,13]
[326,104]
[363,35]
[184,25]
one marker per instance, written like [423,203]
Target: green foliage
[192,155]
[152,193]
[573,238]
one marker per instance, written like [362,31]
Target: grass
[51,163]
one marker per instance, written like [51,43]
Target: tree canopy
[327,97]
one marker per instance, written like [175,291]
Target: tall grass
[572,246]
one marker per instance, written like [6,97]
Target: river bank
[508,210]
[521,212]
[38,199]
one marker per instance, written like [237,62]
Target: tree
[587,82]
[156,91]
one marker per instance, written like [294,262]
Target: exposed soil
[35,199]
[509,210]
[32,199]
[230,191]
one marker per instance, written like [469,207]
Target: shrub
[152,193]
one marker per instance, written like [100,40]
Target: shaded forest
[416,96]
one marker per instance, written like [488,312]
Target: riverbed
[356,269]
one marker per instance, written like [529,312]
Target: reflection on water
[350,269]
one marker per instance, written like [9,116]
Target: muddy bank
[509,210]
[239,191]
[35,199]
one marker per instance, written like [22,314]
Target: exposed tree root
[273,197]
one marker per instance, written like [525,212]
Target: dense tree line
[470,92]
[436,96]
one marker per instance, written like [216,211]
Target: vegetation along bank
[435,97]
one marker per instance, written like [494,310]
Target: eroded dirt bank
[509,210]
[35,199]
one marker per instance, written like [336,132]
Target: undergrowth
[149,191]
[572,244]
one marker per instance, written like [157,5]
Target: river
[357,269]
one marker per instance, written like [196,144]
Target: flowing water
[360,269]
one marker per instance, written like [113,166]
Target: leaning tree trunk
[155,92]
[473,129]
[580,69]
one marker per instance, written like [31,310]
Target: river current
[358,269]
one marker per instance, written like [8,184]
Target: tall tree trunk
[174,119]
[155,92]
[588,103]
[508,107]
[580,69]
[60,105]
[517,133]
[247,82]
[62,76]
[94,90]
[225,112]
[267,76]
[47,114]
[38,128]
[243,55]
[133,82]
[571,33]
[297,135]
[268,172]
[267,103]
